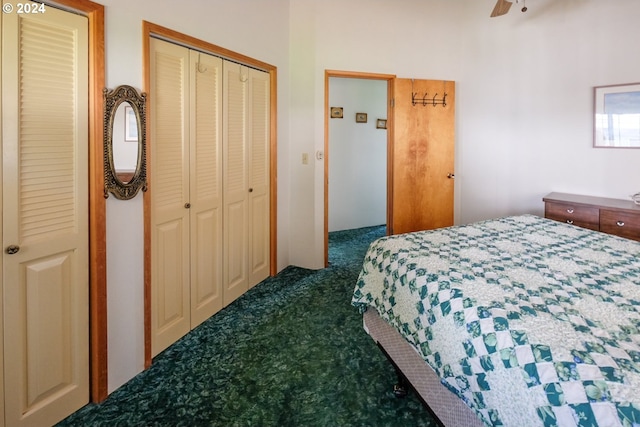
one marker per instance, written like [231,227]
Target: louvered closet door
[259,131]
[169,180]
[235,181]
[246,178]
[44,206]
[205,186]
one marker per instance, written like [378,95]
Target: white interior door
[45,215]
[169,177]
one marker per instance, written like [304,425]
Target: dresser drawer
[582,216]
[623,224]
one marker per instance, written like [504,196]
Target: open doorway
[356,152]
[420,167]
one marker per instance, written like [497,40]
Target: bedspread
[531,322]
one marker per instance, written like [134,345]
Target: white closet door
[235,181]
[206,186]
[44,206]
[259,135]
[169,177]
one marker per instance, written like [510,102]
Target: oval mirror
[124,142]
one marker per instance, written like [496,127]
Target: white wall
[255,28]
[524,87]
[524,94]
[357,155]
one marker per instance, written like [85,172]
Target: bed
[518,321]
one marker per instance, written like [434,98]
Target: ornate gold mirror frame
[125,186]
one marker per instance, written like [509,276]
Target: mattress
[528,321]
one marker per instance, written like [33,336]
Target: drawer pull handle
[620,223]
[570,211]
[569,221]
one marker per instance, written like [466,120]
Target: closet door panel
[235,251]
[206,288]
[259,239]
[169,175]
[235,181]
[259,131]
[206,186]
[170,304]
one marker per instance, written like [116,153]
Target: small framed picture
[361,117]
[130,125]
[381,124]
[336,112]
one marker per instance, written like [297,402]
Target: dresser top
[602,202]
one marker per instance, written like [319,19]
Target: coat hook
[426,99]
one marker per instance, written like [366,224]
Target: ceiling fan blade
[501,8]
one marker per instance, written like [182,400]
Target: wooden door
[205,186]
[45,273]
[423,156]
[235,182]
[169,178]
[259,129]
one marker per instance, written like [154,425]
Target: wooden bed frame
[448,409]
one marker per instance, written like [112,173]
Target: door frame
[153,30]
[390,79]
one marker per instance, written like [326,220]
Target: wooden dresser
[613,216]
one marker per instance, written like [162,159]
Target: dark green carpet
[290,352]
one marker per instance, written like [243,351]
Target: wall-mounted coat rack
[426,99]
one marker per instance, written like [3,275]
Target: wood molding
[172,36]
[273,185]
[146,84]
[98,266]
[153,30]
[97,204]
[357,75]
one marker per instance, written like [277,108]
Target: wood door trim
[153,30]
[390,78]
[97,204]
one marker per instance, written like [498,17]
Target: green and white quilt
[531,322]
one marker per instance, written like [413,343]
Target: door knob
[251,190]
[451,176]
[187,205]
[12,249]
